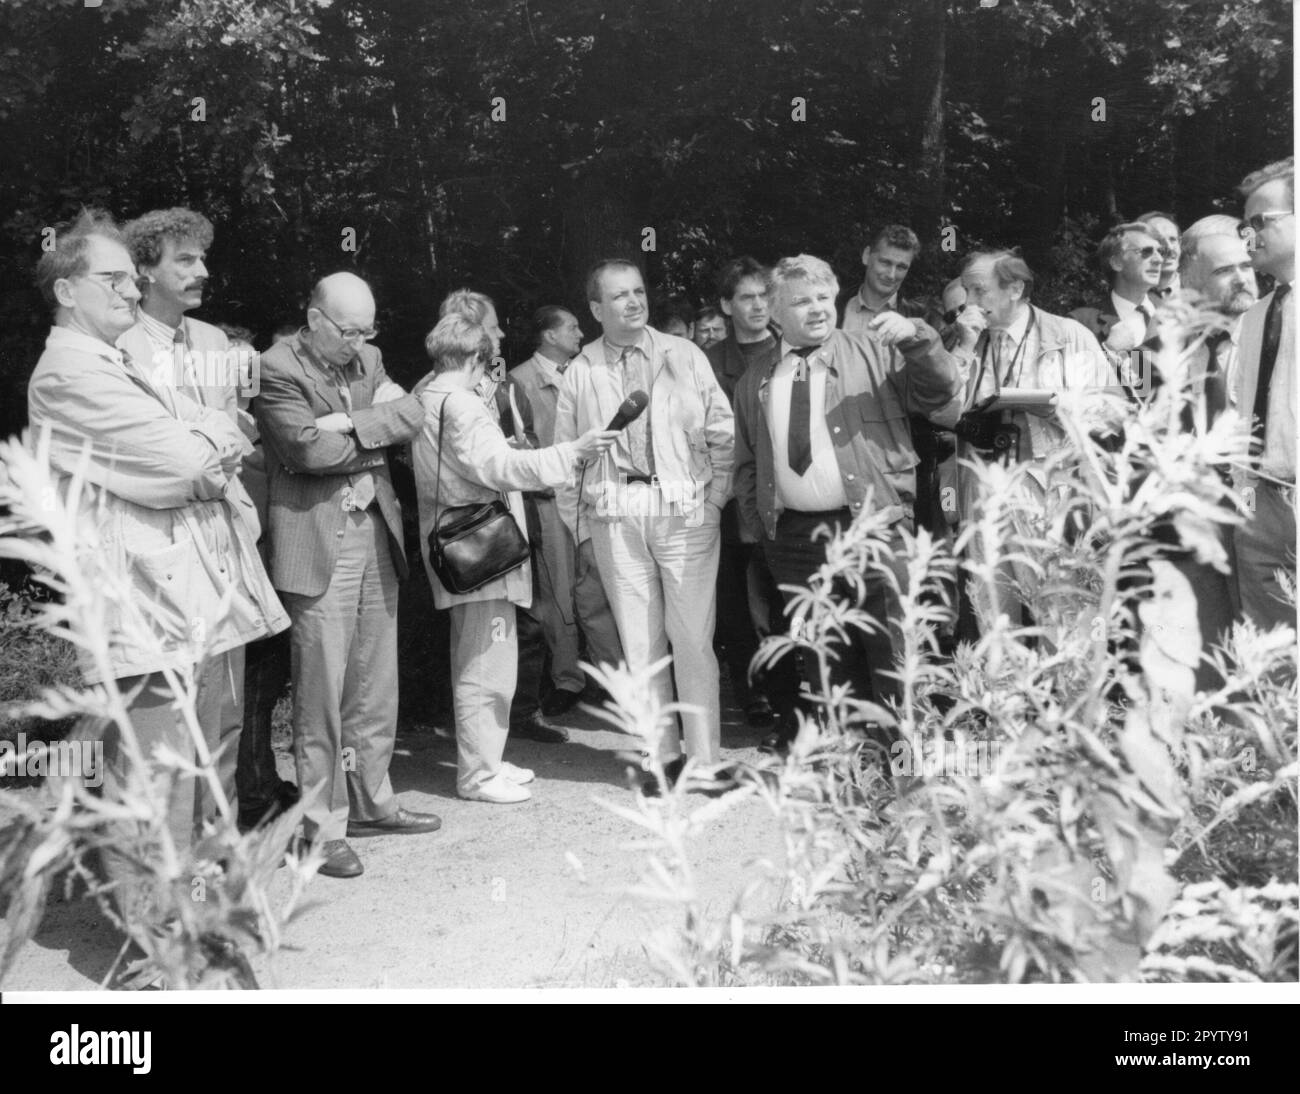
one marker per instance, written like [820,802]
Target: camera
[989,433]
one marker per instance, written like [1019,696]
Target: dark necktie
[799,437]
[1268,358]
[1216,383]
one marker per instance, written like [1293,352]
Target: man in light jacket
[652,504]
[168,506]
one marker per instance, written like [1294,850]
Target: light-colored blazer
[690,418]
[1244,379]
[165,498]
[201,340]
[477,465]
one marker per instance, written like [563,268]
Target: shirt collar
[889,305]
[1015,331]
[158,331]
[821,353]
[67,338]
[1123,308]
[550,371]
[613,353]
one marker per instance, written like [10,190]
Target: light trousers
[660,573]
[484,663]
[568,594]
[344,654]
[1266,543]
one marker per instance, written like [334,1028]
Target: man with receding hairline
[327,411]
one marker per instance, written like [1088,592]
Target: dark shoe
[340,860]
[560,701]
[759,713]
[721,780]
[672,772]
[283,798]
[537,728]
[404,822]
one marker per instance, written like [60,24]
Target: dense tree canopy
[504,144]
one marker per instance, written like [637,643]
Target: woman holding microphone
[478,464]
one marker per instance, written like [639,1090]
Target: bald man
[327,411]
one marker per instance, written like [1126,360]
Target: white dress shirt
[820,487]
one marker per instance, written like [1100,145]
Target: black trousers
[266,675]
[867,661]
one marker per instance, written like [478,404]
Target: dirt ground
[492,900]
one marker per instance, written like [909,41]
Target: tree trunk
[930,65]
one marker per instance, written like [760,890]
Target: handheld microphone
[630,411]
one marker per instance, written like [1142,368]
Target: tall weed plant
[189,920]
[1091,839]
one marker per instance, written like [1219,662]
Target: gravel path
[493,900]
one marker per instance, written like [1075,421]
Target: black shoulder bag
[471,545]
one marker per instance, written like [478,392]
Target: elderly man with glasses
[1132,259]
[163,492]
[327,411]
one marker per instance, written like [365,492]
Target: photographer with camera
[1006,345]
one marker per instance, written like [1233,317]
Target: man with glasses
[1165,229]
[165,497]
[1266,400]
[327,411]
[1132,260]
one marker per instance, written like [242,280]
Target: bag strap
[437,489]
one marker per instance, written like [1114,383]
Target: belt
[645,480]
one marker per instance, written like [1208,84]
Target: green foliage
[377,115]
[1092,825]
[31,660]
[196,918]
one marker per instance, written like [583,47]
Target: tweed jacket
[478,464]
[870,390]
[691,423]
[309,469]
[165,499]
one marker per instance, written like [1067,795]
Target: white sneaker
[517,775]
[498,790]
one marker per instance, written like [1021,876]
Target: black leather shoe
[672,772]
[537,728]
[560,701]
[283,798]
[340,860]
[404,822]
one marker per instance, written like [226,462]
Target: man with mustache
[652,503]
[1165,228]
[168,247]
[164,494]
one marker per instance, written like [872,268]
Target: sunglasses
[1149,251]
[1256,224]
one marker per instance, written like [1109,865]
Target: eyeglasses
[353,334]
[1149,251]
[1253,225]
[117,279]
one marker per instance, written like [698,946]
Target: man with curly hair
[168,247]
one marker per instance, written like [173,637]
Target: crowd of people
[252,505]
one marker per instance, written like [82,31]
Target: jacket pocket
[169,580]
[887,437]
[697,454]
